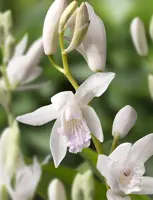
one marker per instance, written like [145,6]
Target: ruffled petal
[141,151]
[40,116]
[93,122]
[58,144]
[62,99]
[94,86]
[113,196]
[146,186]
[121,152]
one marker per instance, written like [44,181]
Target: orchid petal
[141,150]
[93,122]
[51,23]
[146,186]
[40,116]
[4,143]
[94,86]
[37,86]
[103,165]
[94,44]
[34,74]
[61,99]
[113,196]
[21,46]
[121,152]
[58,144]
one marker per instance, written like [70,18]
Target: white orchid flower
[23,68]
[51,26]
[93,47]
[26,175]
[124,169]
[75,119]
[56,190]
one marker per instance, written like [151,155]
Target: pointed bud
[51,24]
[56,190]
[77,193]
[151,28]
[124,121]
[67,14]
[9,47]
[7,23]
[93,47]
[81,27]
[138,35]
[150,84]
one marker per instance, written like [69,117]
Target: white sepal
[124,121]
[51,24]
[56,190]
[138,35]
[93,47]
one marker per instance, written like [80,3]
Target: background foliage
[129,87]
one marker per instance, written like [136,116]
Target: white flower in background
[56,190]
[93,47]
[151,28]
[8,156]
[26,180]
[124,169]
[124,121]
[23,68]
[150,84]
[51,25]
[75,119]
[138,35]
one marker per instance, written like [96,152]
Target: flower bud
[93,47]
[56,190]
[81,27]
[83,186]
[124,121]
[67,14]
[51,24]
[9,47]
[138,35]
[151,28]
[150,84]
[7,21]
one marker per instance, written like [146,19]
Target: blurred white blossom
[124,121]
[75,119]
[138,35]
[26,180]
[56,190]
[124,169]
[150,84]
[23,68]
[51,26]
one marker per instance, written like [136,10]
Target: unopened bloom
[150,84]
[124,169]
[75,119]
[23,68]
[138,35]
[51,25]
[26,175]
[56,190]
[93,47]
[124,121]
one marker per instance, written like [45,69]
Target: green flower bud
[67,14]
[9,47]
[80,29]
[7,21]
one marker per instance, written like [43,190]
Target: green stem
[114,144]
[3,193]
[97,144]
[55,65]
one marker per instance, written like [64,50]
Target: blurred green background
[129,87]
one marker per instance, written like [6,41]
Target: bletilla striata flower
[75,119]
[28,176]
[93,47]
[124,169]
[56,190]
[51,25]
[23,68]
